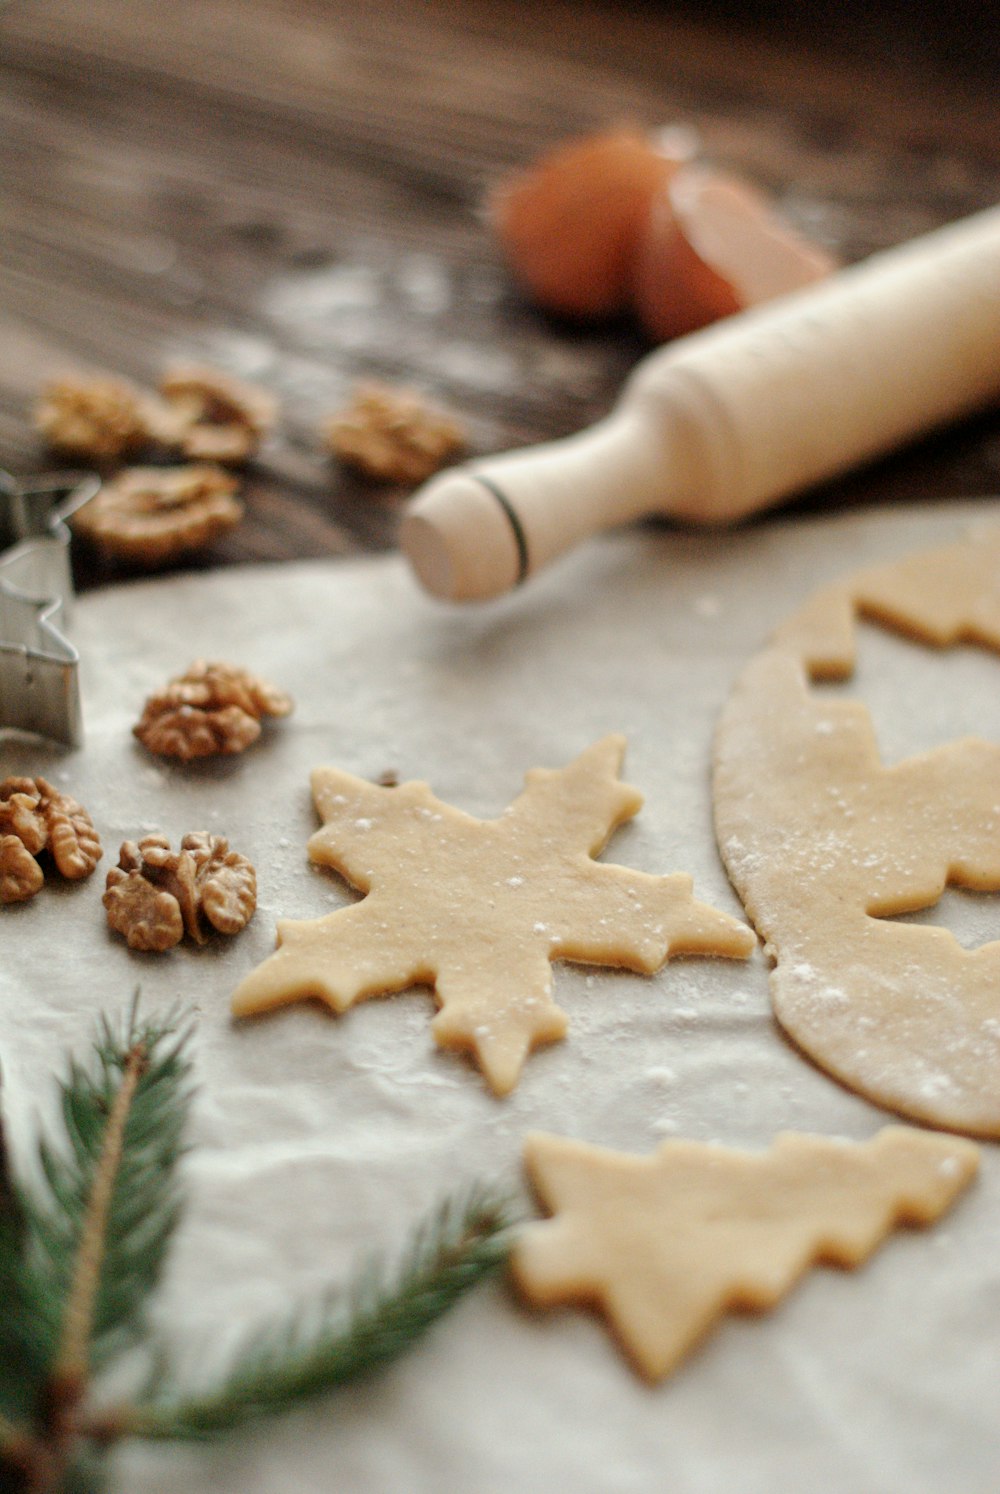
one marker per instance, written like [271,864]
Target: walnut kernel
[20,874]
[226,880]
[21,813]
[154,896]
[393,435]
[210,416]
[149,919]
[73,841]
[150,515]
[213,709]
[100,420]
[35,817]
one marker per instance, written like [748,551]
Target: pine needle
[347,1336]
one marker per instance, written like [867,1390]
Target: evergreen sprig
[345,1335]
[82,1248]
[96,1234]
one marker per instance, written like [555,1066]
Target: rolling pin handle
[475,532]
[460,540]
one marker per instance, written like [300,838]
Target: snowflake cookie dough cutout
[666,1244]
[478,909]
[824,844]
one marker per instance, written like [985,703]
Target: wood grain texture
[291,190]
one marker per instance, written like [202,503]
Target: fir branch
[73,1355]
[81,1251]
[96,1236]
[351,1335]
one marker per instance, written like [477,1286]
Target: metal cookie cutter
[39,667]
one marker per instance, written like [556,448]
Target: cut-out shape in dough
[824,844]
[479,908]
[668,1243]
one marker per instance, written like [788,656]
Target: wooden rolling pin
[731,419]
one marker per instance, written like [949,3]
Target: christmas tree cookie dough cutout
[478,909]
[824,844]
[666,1244]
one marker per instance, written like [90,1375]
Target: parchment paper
[317,1139]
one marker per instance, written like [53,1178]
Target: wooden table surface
[291,190]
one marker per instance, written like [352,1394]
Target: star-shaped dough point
[478,909]
[666,1244]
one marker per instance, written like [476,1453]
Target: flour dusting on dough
[824,844]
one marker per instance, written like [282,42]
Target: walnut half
[150,515]
[154,896]
[20,874]
[213,709]
[97,420]
[211,416]
[393,434]
[35,818]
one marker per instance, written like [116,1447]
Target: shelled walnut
[154,896]
[150,515]
[20,874]
[36,819]
[211,710]
[200,413]
[98,420]
[393,435]
[210,416]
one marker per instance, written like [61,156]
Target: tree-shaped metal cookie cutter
[39,667]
